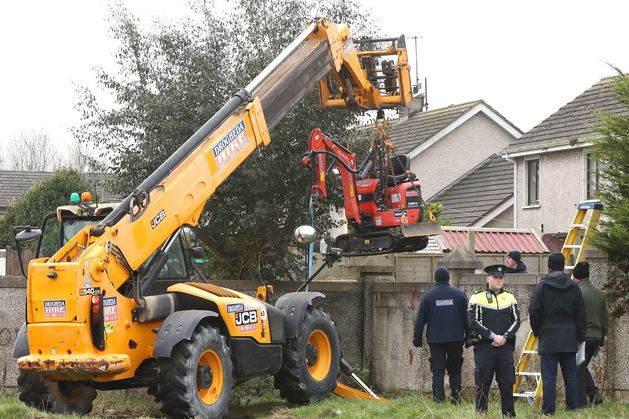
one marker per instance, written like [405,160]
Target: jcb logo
[246,317]
[158,219]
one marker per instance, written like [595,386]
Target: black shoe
[596,399]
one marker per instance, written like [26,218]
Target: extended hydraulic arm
[174,195]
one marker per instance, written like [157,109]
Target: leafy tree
[612,150]
[172,78]
[42,198]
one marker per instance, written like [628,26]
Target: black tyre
[310,363]
[196,381]
[55,396]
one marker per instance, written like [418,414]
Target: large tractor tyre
[55,396]
[196,381]
[311,360]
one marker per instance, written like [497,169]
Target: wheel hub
[204,376]
[311,355]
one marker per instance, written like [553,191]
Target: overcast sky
[524,58]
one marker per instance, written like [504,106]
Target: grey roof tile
[576,120]
[14,184]
[420,127]
[477,192]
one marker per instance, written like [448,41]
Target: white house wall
[561,179]
[458,152]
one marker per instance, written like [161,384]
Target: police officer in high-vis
[493,314]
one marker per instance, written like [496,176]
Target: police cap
[495,270]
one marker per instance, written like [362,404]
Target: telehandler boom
[90,324]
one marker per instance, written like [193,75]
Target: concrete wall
[458,152]
[414,267]
[12,312]
[561,187]
[374,315]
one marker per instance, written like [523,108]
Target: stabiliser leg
[352,393]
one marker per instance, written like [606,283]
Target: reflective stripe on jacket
[492,312]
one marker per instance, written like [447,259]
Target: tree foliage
[42,198]
[174,77]
[612,150]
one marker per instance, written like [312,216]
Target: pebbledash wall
[374,315]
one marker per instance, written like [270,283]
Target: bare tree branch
[32,152]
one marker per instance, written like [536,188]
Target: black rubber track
[55,397]
[177,377]
[294,381]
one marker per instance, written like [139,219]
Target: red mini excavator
[383,202]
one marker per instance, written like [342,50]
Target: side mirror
[326,249]
[305,234]
[27,234]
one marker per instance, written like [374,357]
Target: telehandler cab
[91,322]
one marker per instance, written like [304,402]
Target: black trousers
[548,363]
[496,361]
[446,356]
[587,387]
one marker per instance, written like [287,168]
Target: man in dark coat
[514,263]
[443,309]
[557,316]
[597,320]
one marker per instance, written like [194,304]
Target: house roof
[419,128]
[573,122]
[490,240]
[16,183]
[478,192]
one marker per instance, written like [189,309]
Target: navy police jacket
[443,309]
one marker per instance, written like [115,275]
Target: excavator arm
[174,195]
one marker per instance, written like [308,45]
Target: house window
[532,182]
[592,177]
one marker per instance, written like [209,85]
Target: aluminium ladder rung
[524,394]
[572,246]
[532,374]
[580,226]
[526,351]
[569,267]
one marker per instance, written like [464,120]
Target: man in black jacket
[493,314]
[557,315]
[443,309]
[514,263]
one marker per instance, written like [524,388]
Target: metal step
[572,246]
[532,374]
[581,226]
[569,267]
[524,394]
[530,352]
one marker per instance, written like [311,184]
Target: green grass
[256,399]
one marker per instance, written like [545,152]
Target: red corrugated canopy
[494,241]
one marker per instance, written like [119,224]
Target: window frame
[527,182]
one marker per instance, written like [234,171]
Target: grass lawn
[256,399]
